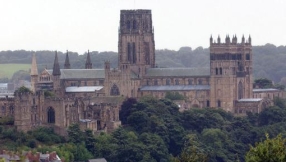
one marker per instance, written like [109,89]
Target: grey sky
[79,25]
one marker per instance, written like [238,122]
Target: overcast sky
[79,25]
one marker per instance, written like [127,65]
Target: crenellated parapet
[230,41]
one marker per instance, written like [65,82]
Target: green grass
[7,70]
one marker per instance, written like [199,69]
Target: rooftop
[250,100]
[81,73]
[177,72]
[83,88]
[265,90]
[175,88]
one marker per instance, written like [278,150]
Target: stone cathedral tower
[136,46]
[230,72]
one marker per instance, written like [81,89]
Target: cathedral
[92,97]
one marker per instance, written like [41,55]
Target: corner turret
[242,40]
[227,39]
[34,73]
[218,39]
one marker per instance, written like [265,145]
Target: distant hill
[268,60]
[7,70]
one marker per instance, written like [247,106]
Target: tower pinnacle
[34,69]
[56,69]
[67,61]
[88,64]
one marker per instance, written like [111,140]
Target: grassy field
[7,70]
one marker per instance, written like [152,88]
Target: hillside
[268,60]
[7,70]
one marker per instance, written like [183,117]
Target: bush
[7,120]
[32,143]
[174,96]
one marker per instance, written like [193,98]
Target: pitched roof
[83,88]
[177,72]
[97,160]
[265,90]
[81,73]
[175,88]
[250,100]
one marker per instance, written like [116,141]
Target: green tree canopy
[269,150]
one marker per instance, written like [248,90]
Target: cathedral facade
[92,97]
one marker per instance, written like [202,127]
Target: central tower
[136,46]
[231,72]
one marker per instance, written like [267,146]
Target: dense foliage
[23,89]
[155,130]
[268,150]
[268,60]
[266,83]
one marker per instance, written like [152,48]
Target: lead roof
[177,72]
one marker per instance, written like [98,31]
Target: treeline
[268,60]
[155,131]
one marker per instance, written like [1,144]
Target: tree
[49,94]
[271,115]
[138,120]
[270,150]
[21,75]
[280,102]
[174,96]
[89,141]
[126,109]
[75,134]
[23,89]
[191,151]
[263,83]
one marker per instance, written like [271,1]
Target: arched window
[240,66]
[3,109]
[177,82]
[155,82]
[248,56]
[133,52]
[147,82]
[51,115]
[168,81]
[128,24]
[218,103]
[190,81]
[129,54]
[134,24]
[114,91]
[208,103]
[216,71]
[11,110]
[240,90]
[200,81]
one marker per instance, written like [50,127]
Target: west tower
[136,46]
[231,72]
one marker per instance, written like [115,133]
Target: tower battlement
[135,21]
[139,11]
[230,42]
